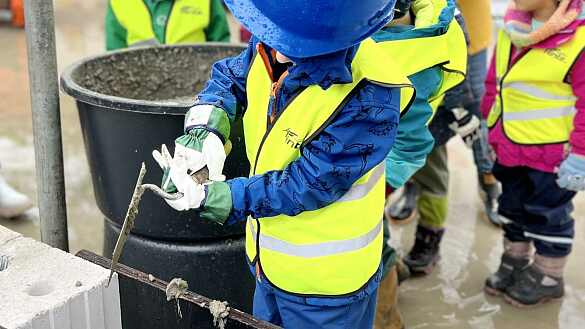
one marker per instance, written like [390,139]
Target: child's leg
[433,182]
[550,225]
[265,307]
[299,312]
[387,313]
[516,187]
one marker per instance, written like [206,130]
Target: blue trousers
[476,73]
[534,208]
[295,312]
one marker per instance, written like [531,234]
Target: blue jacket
[357,140]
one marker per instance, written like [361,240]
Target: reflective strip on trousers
[553,239]
[547,238]
[529,115]
[146,43]
[357,192]
[317,249]
[537,92]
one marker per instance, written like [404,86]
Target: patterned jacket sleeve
[226,88]
[355,142]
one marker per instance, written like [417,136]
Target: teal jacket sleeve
[413,139]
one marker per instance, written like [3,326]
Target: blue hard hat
[306,28]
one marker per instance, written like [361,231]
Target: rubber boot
[387,313]
[490,192]
[12,202]
[424,255]
[497,283]
[403,210]
[539,283]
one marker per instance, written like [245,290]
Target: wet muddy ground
[450,298]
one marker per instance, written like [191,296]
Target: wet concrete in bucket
[451,297]
[161,74]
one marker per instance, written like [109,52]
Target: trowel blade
[128,221]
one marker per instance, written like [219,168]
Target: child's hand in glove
[572,173]
[212,199]
[465,125]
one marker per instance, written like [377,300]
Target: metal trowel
[201,177]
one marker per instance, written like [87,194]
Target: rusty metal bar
[244,319]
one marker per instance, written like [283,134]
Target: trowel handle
[160,192]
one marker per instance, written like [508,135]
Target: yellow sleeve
[478,19]
[425,12]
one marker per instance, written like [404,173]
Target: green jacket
[116,34]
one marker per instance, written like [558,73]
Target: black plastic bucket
[132,101]
[216,269]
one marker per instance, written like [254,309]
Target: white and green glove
[206,140]
[213,199]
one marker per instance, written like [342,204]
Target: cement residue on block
[42,283]
[7,235]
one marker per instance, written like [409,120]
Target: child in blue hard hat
[321,104]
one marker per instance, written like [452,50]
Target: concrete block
[7,235]
[46,288]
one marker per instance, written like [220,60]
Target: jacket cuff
[210,118]
[578,150]
[218,202]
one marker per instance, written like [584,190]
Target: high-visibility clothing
[186,23]
[334,250]
[535,101]
[447,51]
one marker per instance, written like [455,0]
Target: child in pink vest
[535,107]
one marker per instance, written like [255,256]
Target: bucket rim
[82,94]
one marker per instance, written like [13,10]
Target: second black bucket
[132,101]
[217,269]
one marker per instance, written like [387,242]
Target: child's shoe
[12,202]
[425,253]
[403,211]
[532,287]
[497,283]
[490,191]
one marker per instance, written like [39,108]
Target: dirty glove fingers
[165,153]
[160,160]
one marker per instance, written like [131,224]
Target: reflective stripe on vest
[317,249]
[186,23]
[537,103]
[334,250]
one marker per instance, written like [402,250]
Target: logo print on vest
[292,139]
[557,54]
[189,10]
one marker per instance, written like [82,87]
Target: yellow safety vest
[535,101]
[185,24]
[447,51]
[334,250]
